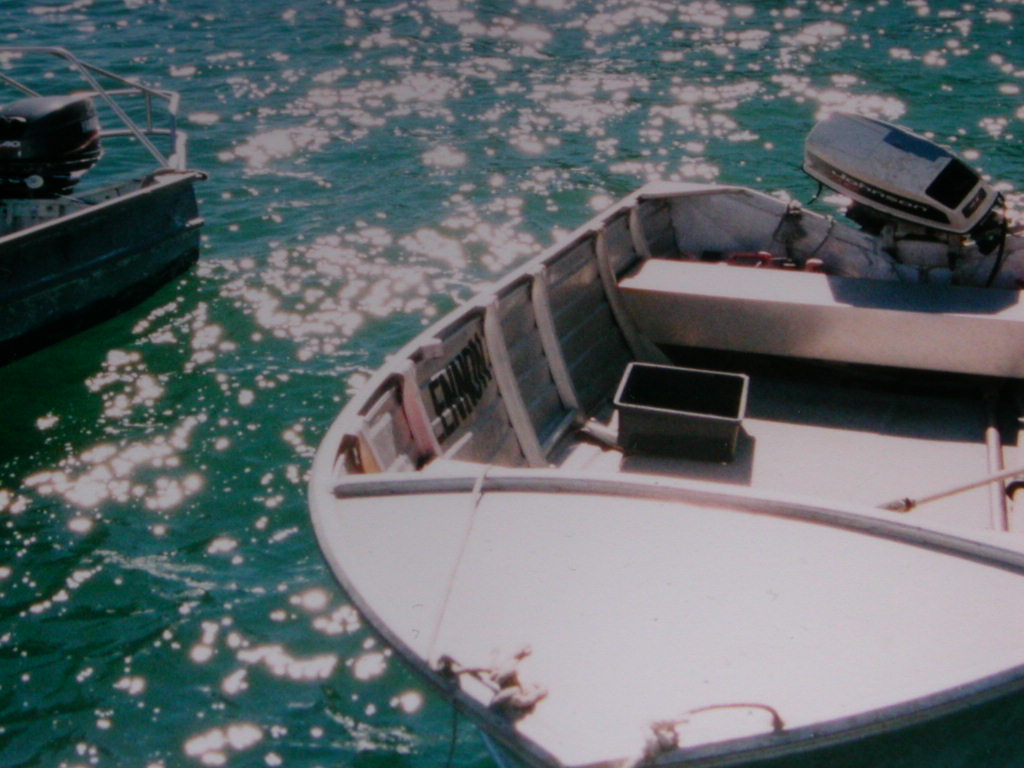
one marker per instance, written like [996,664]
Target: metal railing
[125,89]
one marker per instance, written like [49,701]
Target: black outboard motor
[47,143]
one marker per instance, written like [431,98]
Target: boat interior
[715,334]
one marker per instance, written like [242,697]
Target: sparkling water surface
[162,598]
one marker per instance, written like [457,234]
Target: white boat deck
[650,605]
[858,446]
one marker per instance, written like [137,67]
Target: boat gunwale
[979,546]
[161,179]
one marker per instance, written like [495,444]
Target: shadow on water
[46,402]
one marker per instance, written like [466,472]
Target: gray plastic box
[686,412]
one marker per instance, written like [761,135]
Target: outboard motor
[47,143]
[897,178]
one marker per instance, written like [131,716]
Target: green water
[162,600]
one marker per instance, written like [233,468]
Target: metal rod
[994,450]
[89,73]
[907,504]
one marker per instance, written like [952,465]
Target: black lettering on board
[456,390]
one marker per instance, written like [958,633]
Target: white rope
[664,735]
[476,495]
[511,698]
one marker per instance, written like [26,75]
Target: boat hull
[985,734]
[62,276]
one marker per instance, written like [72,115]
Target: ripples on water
[163,601]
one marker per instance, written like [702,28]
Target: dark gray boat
[71,254]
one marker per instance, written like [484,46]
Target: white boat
[718,480]
[72,255]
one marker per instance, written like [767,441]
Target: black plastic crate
[686,412]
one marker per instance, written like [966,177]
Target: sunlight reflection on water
[370,165]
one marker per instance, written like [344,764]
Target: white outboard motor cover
[897,172]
